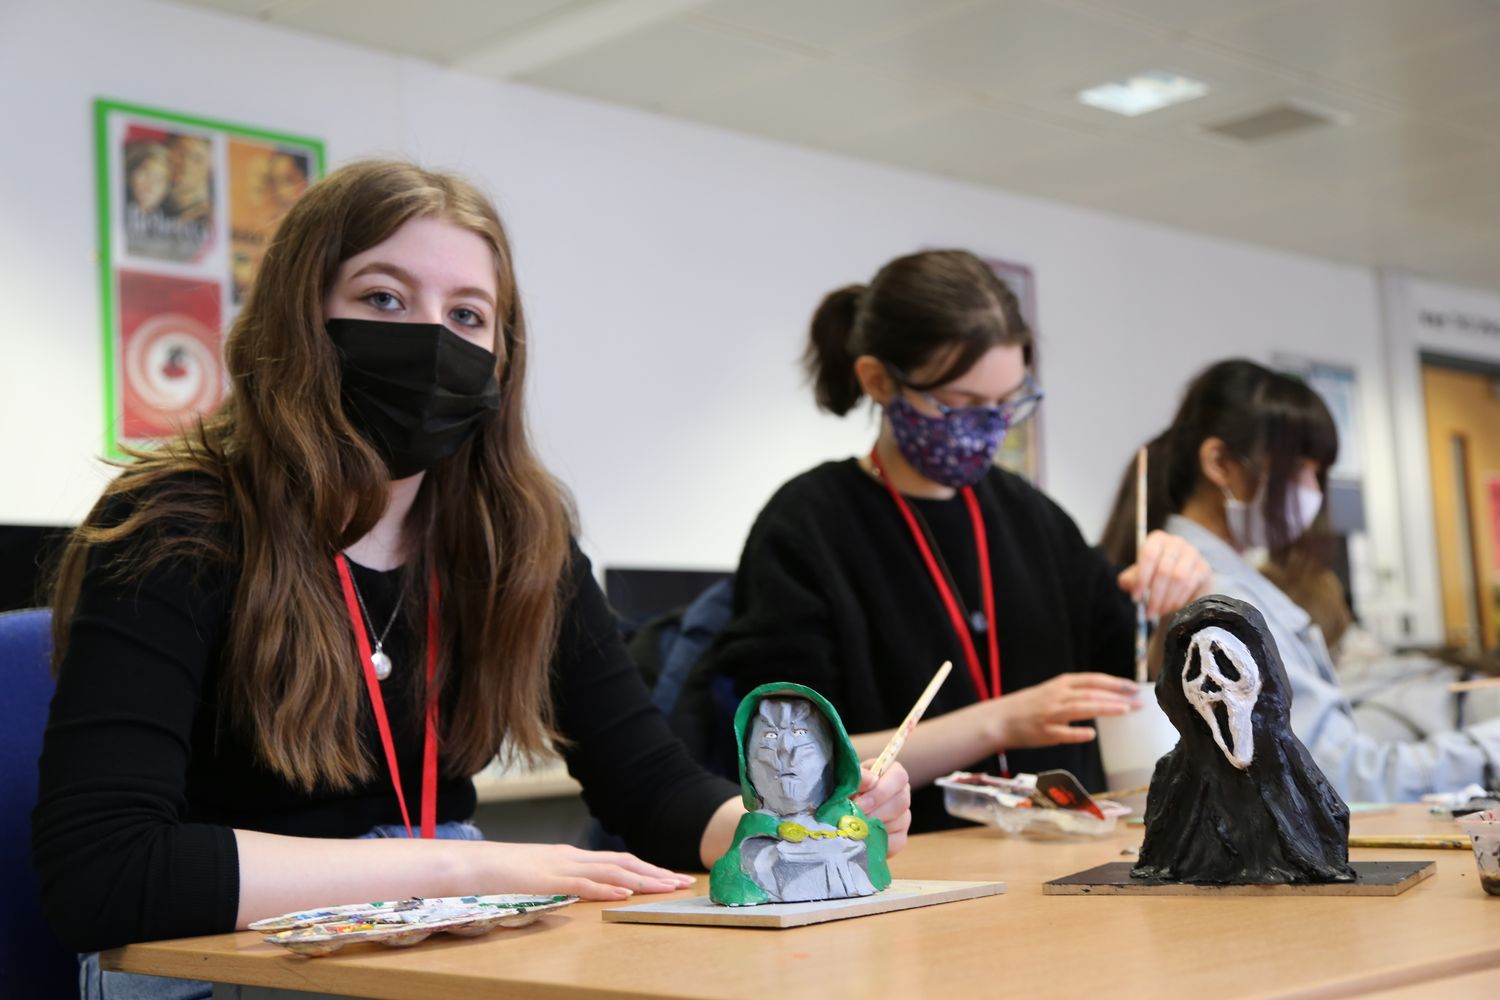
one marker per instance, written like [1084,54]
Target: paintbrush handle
[1140,543]
[898,738]
[1123,793]
[1475,685]
[1429,841]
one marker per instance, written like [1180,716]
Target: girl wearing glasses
[861,576]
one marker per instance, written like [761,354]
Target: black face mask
[416,391]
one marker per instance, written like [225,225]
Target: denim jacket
[1362,767]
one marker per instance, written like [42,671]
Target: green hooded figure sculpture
[803,838]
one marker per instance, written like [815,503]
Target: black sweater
[831,592]
[140,788]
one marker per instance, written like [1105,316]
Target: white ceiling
[982,90]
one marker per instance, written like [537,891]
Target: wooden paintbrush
[1420,841]
[1475,685]
[898,738]
[1123,793]
[1140,543]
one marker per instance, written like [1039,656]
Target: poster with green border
[187,206]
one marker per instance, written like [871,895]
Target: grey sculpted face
[1222,681]
[787,755]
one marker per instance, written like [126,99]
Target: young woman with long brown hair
[315,616]
[859,577]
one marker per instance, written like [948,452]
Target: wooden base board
[1374,878]
[903,894]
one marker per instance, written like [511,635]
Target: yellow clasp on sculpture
[851,827]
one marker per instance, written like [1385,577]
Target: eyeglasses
[1017,409]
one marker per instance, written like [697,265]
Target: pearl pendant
[381,663]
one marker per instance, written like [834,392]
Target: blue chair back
[33,963]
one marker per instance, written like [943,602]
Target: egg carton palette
[403,922]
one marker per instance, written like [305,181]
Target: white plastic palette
[403,922]
[1014,806]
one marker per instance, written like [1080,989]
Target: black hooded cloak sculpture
[1239,800]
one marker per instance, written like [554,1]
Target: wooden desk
[1020,944]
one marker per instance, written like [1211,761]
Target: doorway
[1463,440]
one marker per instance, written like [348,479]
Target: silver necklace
[378,659]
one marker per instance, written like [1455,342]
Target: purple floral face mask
[955,449]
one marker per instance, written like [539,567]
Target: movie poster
[1021,452]
[168,194]
[171,348]
[264,181]
[187,207]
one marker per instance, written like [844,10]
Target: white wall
[669,271]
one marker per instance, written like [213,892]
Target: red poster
[171,351]
[1494,485]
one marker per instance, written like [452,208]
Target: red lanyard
[429,740]
[960,627]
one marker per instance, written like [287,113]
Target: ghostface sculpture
[803,838]
[1239,800]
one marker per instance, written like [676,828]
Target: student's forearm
[941,745]
[280,874]
[719,833]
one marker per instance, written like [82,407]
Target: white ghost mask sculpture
[1222,681]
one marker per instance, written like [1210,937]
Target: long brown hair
[917,308]
[290,482]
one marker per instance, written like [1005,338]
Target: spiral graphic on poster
[172,370]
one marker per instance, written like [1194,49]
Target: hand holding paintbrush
[1168,572]
[877,769]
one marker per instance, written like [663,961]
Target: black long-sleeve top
[832,592]
[142,784]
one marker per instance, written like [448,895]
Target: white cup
[1484,827]
[1131,744]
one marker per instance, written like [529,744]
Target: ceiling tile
[820,104]
[1446,191]
[1318,225]
[826,24]
[1104,174]
[969,140]
[1434,247]
[1320,36]
[1462,69]
[1015,49]
[439,30]
[1358,155]
[1482,115]
[1183,15]
[1196,196]
[675,61]
[1234,86]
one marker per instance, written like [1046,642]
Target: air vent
[1276,121]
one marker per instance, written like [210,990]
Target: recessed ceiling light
[1150,90]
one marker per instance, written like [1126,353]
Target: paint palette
[404,922]
[1049,804]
